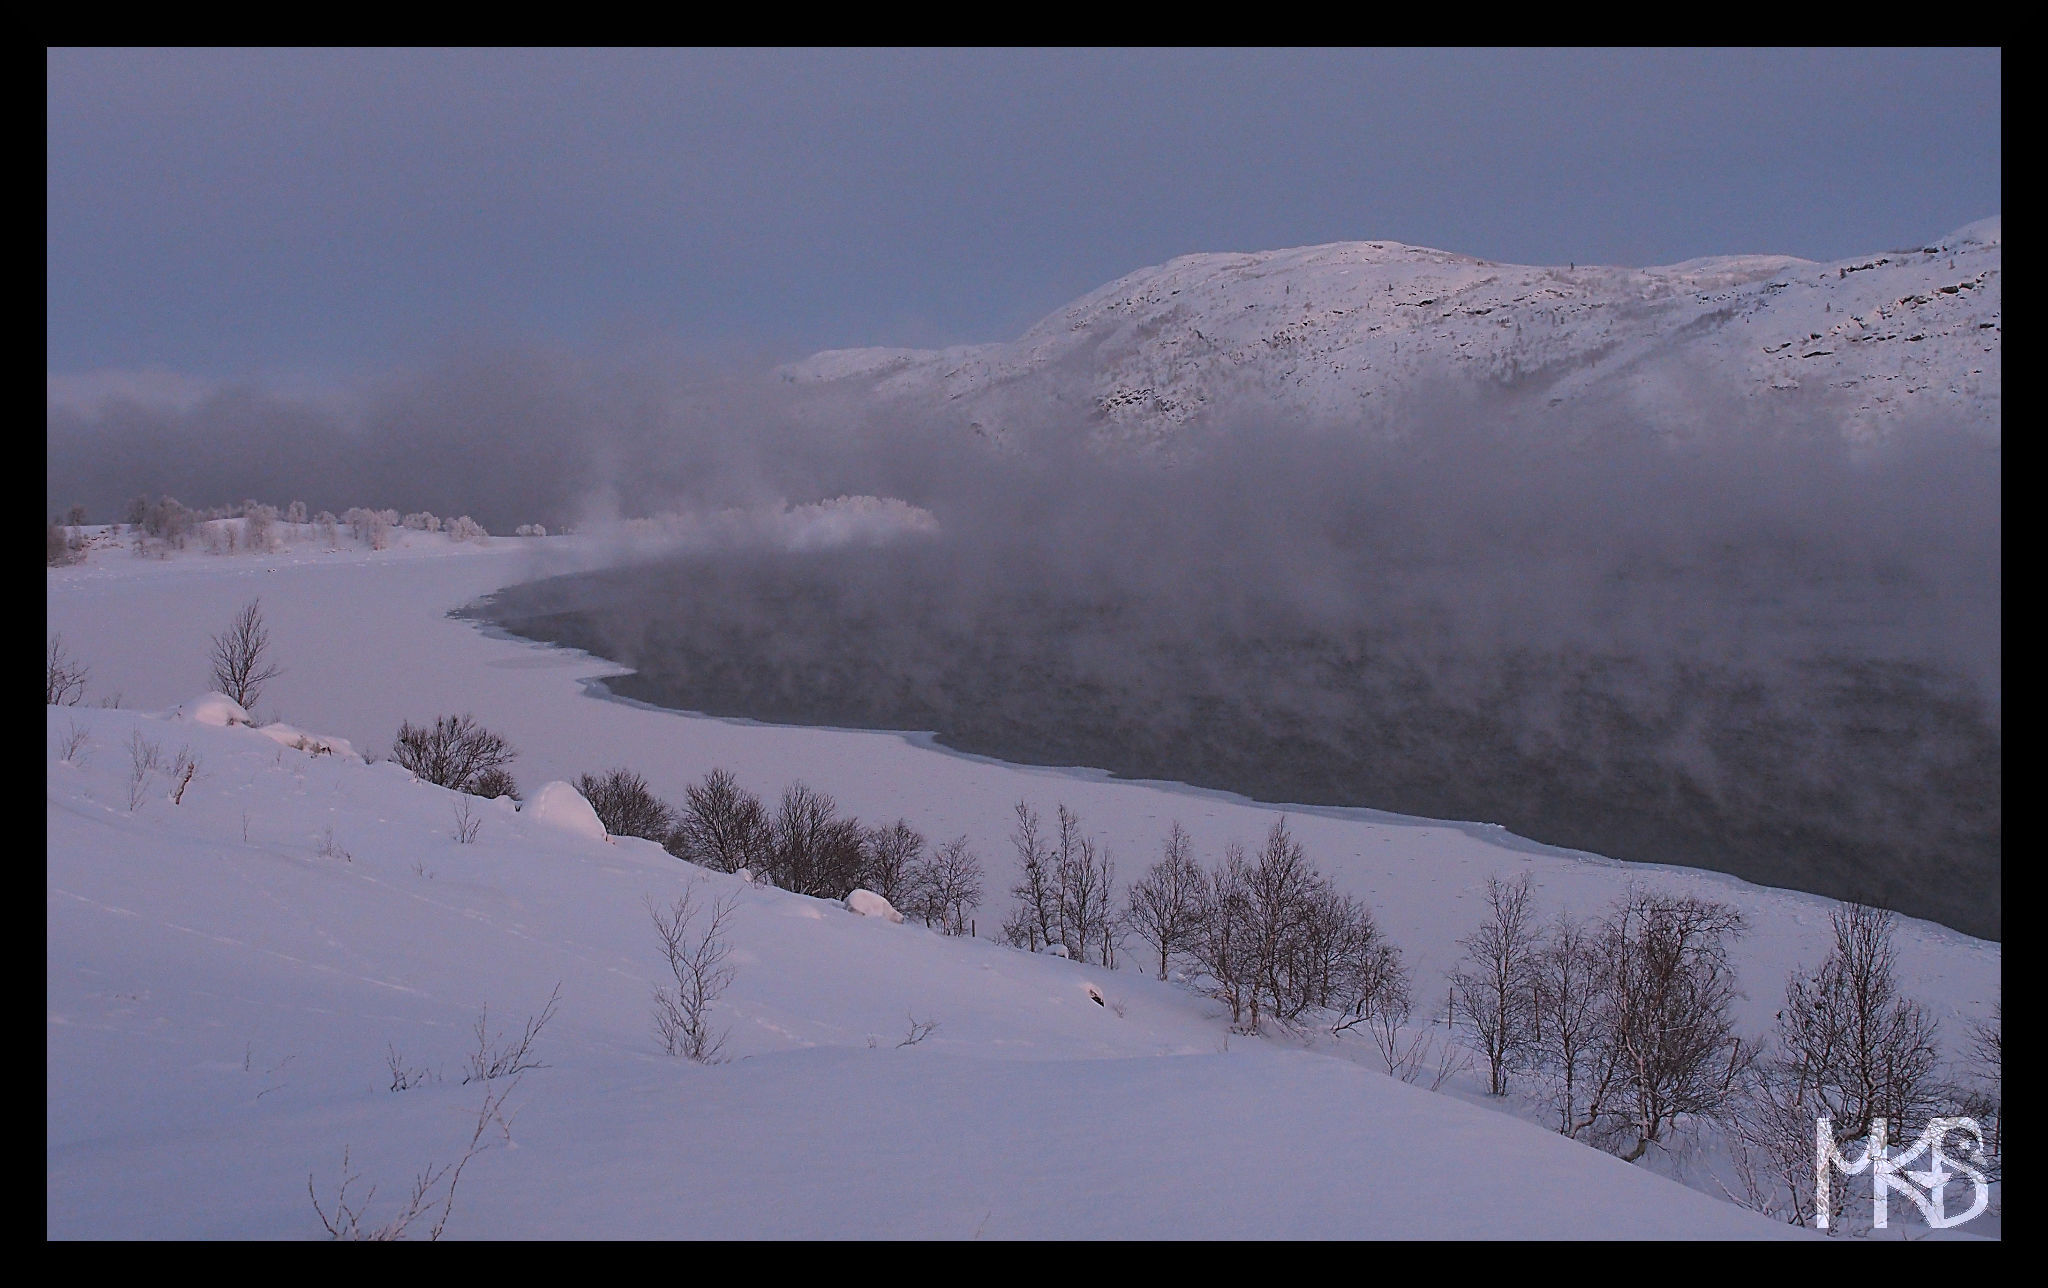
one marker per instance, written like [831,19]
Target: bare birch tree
[1496,980]
[241,665]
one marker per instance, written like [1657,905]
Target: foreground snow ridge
[301,957]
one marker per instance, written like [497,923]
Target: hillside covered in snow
[1331,335]
[274,970]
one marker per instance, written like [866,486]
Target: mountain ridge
[1317,333]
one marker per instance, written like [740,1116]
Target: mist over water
[1728,638]
[1768,652]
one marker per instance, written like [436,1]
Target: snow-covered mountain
[1328,333]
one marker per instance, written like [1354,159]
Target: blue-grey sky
[234,214]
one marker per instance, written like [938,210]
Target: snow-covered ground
[232,977]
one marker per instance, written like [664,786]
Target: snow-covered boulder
[214,709]
[869,904]
[1056,950]
[560,805]
[300,740]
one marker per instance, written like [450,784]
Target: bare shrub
[1667,1017]
[1849,1048]
[1084,889]
[499,1056]
[1034,922]
[1223,948]
[692,942]
[64,676]
[455,752]
[72,743]
[1985,1068]
[467,824]
[893,861]
[241,665]
[1065,895]
[183,768]
[1574,1067]
[144,759]
[627,806]
[812,849]
[1495,984]
[1166,903]
[918,1031]
[723,826]
[948,886]
[1273,939]
[1865,1050]
[493,783]
[61,547]
[329,848]
[406,1076]
[432,1193]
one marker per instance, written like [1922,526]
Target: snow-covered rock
[298,739]
[560,805]
[216,709]
[869,904]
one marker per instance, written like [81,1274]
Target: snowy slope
[231,978]
[1326,333]
[227,975]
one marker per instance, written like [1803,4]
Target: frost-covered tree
[259,525]
[60,546]
[371,527]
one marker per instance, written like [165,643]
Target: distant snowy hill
[1324,333]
